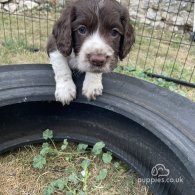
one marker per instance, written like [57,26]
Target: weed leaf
[39,162]
[73,178]
[85,164]
[81,193]
[47,134]
[82,147]
[102,175]
[97,148]
[116,165]
[64,145]
[49,190]
[59,184]
[69,193]
[45,149]
[107,157]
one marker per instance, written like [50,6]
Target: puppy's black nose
[97,60]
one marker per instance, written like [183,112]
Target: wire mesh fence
[163,27]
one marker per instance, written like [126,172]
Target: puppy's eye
[114,33]
[82,30]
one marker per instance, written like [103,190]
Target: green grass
[13,45]
[187,92]
[159,50]
[66,168]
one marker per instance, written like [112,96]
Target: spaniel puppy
[90,36]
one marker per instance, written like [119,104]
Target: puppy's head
[98,31]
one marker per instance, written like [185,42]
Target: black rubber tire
[142,124]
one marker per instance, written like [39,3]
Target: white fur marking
[97,45]
[92,85]
[65,87]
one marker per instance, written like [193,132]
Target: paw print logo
[160,171]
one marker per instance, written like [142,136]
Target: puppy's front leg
[92,85]
[65,87]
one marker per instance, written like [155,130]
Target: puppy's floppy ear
[128,37]
[62,31]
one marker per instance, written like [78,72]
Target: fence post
[193,33]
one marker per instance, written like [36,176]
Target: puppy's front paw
[92,90]
[65,92]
